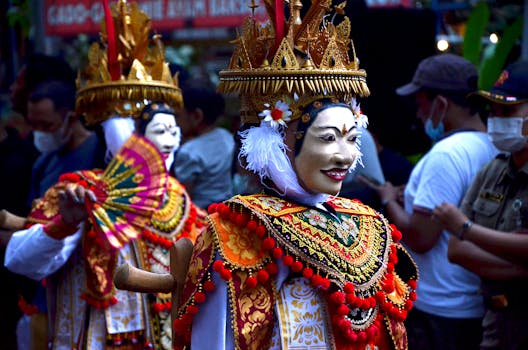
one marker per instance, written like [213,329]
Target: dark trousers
[506,329]
[430,332]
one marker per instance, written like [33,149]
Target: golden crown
[136,75]
[309,61]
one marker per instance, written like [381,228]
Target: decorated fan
[128,192]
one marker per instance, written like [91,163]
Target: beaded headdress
[126,69]
[289,61]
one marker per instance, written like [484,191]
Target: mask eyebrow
[163,125]
[343,131]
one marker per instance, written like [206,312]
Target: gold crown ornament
[293,60]
[126,69]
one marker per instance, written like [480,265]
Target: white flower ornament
[277,116]
[361,119]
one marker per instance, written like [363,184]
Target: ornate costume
[297,268]
[82,267]
[273,253]
[139,213]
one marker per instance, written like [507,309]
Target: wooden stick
[10,221]
[131,278]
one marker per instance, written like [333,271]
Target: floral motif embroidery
[315,218]
[242,246]
[271,202]
[346,229]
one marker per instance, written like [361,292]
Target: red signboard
[72,17]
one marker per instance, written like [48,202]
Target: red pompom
[262,276]
[362,336]
[199,297]
[325,284]
[212,208]
[372,331]
[209,286]
[352,299]
[218,265]
[277,252]
[179,326]
[287,260]
[272,268]
[343,310]
[225,211]
[349,288]
[297,266]
[379,296]
[251,282]
[352,335]
[338,298]
[192,309]
[252,225]
[396,235]
[242,220]
[260,230]
[316,280]
[307,272]
[225,274]
[268,243]
[412,284]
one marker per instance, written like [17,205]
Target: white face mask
[163,132]
[47,142]
[506,133]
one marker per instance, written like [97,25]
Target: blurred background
[390,37]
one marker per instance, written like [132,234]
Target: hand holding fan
[128,191]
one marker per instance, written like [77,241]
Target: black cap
[444,72]
[510,88]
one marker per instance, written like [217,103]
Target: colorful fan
[128,192]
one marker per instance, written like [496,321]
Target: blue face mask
[435,134]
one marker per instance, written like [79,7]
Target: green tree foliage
[491,60]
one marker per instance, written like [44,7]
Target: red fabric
[279,21]
[113,64]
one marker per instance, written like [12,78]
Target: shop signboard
[72,17]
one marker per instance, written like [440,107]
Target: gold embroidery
[301,317]
[254,304]
[238,245]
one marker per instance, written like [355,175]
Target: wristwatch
[465,228]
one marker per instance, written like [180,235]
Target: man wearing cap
[489,234]
[449,308]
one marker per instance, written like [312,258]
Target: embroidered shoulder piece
[350,245]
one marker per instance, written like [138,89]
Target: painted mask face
[163,132]
[328,151]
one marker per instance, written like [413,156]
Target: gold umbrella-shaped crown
[126,68]
[294,59]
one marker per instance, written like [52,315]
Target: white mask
[163,132]
[47,142]
[506,133]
